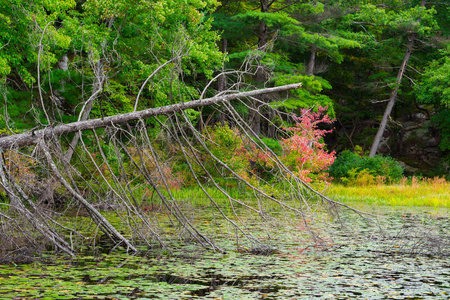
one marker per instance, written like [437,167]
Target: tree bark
[255,117]
[33,137]
[393,97]
[263,37]
[260,77]
[312,61]
[271,129]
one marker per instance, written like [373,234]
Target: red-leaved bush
[304,151]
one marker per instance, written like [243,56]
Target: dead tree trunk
[36,219]
[393,97]
[98,218]
[33,137]
[100,182]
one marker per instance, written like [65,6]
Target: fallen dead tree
[35,135]
[104,178]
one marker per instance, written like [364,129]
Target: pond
[408,259]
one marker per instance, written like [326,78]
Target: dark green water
[409,260]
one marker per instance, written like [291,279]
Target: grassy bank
[434,192]
[413,192]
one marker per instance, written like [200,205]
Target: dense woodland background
[89,59]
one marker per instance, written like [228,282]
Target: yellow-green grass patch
[434,193]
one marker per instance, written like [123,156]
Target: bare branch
[33,137]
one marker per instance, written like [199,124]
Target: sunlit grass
[432,192]
[426,192]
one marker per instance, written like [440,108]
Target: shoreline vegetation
[414,191]
[409,191]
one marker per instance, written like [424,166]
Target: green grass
[198,198]
[427,192]
[195,197]
[414,192]
[192,195]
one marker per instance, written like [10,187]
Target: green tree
[418,21]
[109,49]
[383,68]
[290,30]
[434,88]
[31,42]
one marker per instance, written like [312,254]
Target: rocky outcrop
[419,146]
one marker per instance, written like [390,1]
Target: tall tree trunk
[263,37]
[312,61]
[393,97]
[271,129]
[260,77]
[255,117]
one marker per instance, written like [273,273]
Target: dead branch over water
[34,136]
[112,182]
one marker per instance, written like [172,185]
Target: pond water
[410,259]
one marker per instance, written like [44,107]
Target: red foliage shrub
[304,154]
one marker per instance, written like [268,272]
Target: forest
[140,130]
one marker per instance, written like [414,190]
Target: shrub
[164,175]
[363,178]
[22,168]
[226,144]
[350,168]
[305,153]
[222,141]
[260,163]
